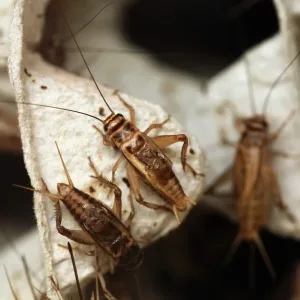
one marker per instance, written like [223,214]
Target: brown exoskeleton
[145,159]
[101,226]
[255,186]
[144,156]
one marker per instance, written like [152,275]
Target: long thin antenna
[37,191]
[250,86]
[75,271]
[50,106]
[89,22]
[10,285]
[85,62]
[56,288]
[23,261]
[28,277]
[275,82]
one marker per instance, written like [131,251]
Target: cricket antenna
[50,106]
[75,271]
[275,82]
[10,285]
[85,62]
[90,21]
[250,86]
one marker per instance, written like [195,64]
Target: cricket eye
[105,128]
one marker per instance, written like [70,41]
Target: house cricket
[255,185]
[100,225]
[144,157]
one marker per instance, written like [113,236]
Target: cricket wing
[252,184]
[155,168]
[106,229]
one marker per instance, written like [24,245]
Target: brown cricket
[255,185]
[101,226]
[144,157]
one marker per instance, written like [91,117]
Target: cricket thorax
[118,129]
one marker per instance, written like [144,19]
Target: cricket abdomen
[80,205]
[155,168]
[99,222]
[252,219]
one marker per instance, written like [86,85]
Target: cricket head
[254,129]
[113,122]
[63,189]
[256,123]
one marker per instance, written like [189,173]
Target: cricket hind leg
[117,206]
[164,141]
[78,236]
[135,187]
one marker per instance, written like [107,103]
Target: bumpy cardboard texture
[77,139]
